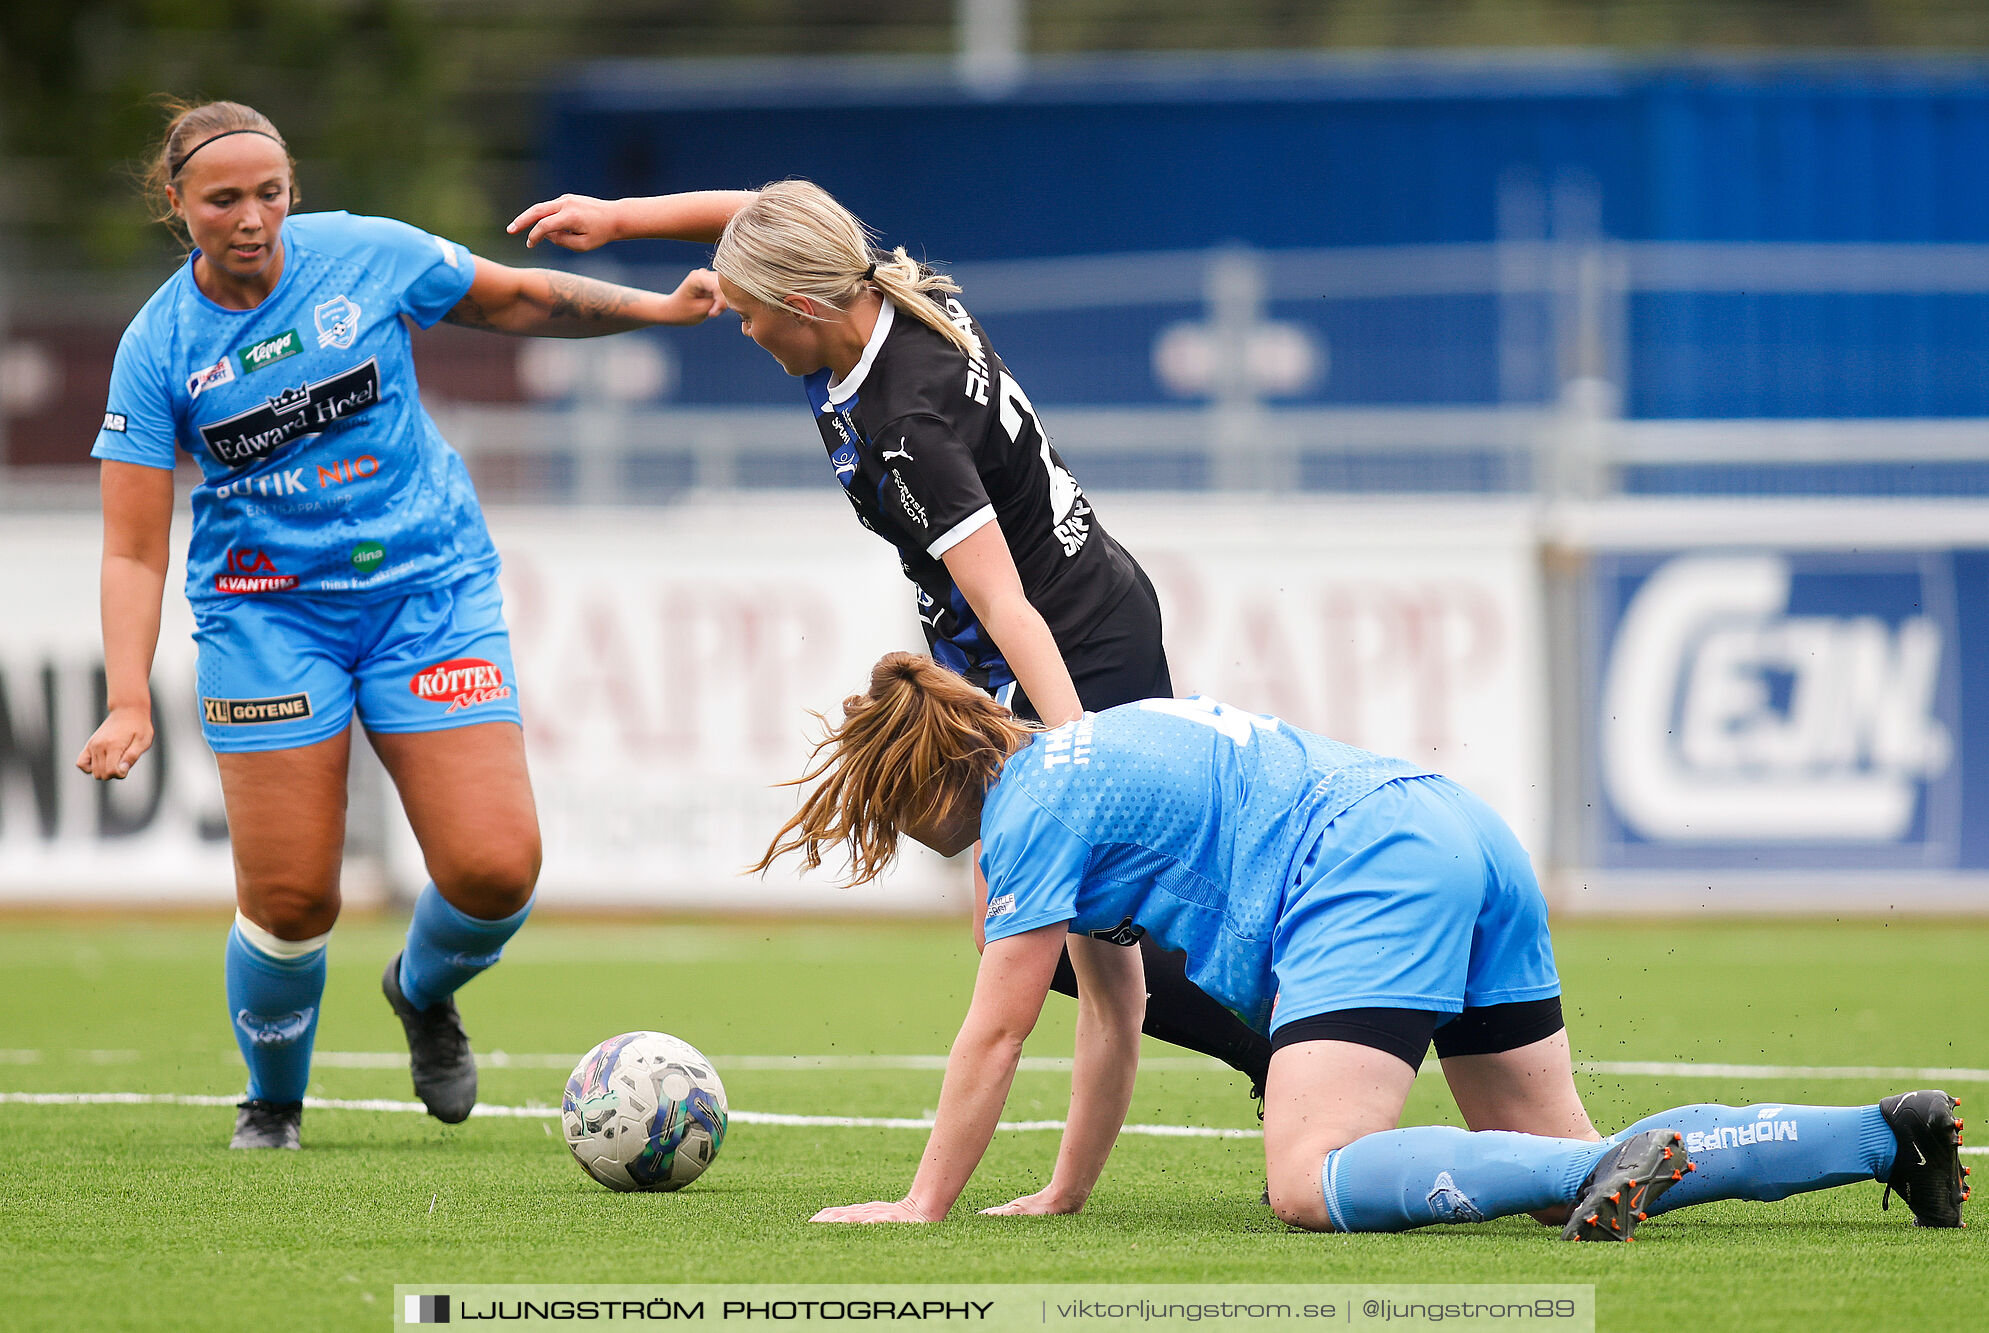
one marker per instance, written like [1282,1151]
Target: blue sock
[1412,1177]
[273,1007]
[1770,1150]
[446,947]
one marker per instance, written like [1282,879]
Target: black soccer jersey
[932,445]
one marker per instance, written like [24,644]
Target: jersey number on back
[1234,723]
[1068,511]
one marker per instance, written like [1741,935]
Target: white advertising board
[667,661]
[66,838]
[1411,629]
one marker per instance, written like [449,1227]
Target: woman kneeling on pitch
[1351,906]
[339,564]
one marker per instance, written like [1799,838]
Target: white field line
[1931,1074]
[756,1063]
[1684,1069]
[549,1112]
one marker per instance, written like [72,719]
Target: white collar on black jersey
[842,393]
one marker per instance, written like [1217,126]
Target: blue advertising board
[1764,710]
[1141,154]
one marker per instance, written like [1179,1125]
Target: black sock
[1181,1013]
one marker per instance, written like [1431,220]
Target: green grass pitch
[135,1216]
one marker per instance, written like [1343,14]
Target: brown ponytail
[911,747]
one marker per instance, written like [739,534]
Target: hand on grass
[900,1211]
[1043,1203]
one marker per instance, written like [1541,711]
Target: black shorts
[1406,1033]
[1120,660]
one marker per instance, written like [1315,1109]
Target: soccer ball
[644,1111]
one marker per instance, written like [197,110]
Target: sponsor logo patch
[367,557]
[270,485]
[114,421]
[269,351]
[337,321]
[251,570]
[461,682]
[908,502]
[292,414]
[1743,1136]
[448,252]
[221,372]
[1002,906]
[348,470]
[254,712]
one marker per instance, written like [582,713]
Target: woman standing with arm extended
[1020,589]
[339,563]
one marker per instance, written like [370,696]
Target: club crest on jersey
[221,372]
[338,322]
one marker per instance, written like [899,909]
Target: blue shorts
[277,671]
[1416,897]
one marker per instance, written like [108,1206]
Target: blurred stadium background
[1587,399]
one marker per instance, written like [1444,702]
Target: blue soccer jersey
[1183,819]
[322,472]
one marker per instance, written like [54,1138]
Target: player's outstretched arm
[1111,1005]
[544,303]
[983,568]
[579,222]
[138,522]
[1008,996]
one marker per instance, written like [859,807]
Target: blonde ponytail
[912,747]
[794,239]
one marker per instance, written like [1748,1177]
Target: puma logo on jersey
[900,452]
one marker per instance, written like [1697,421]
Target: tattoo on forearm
[575,297]
[566,300]
[470,315]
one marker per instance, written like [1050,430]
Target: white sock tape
[265,943]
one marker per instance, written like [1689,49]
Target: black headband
[188,155]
